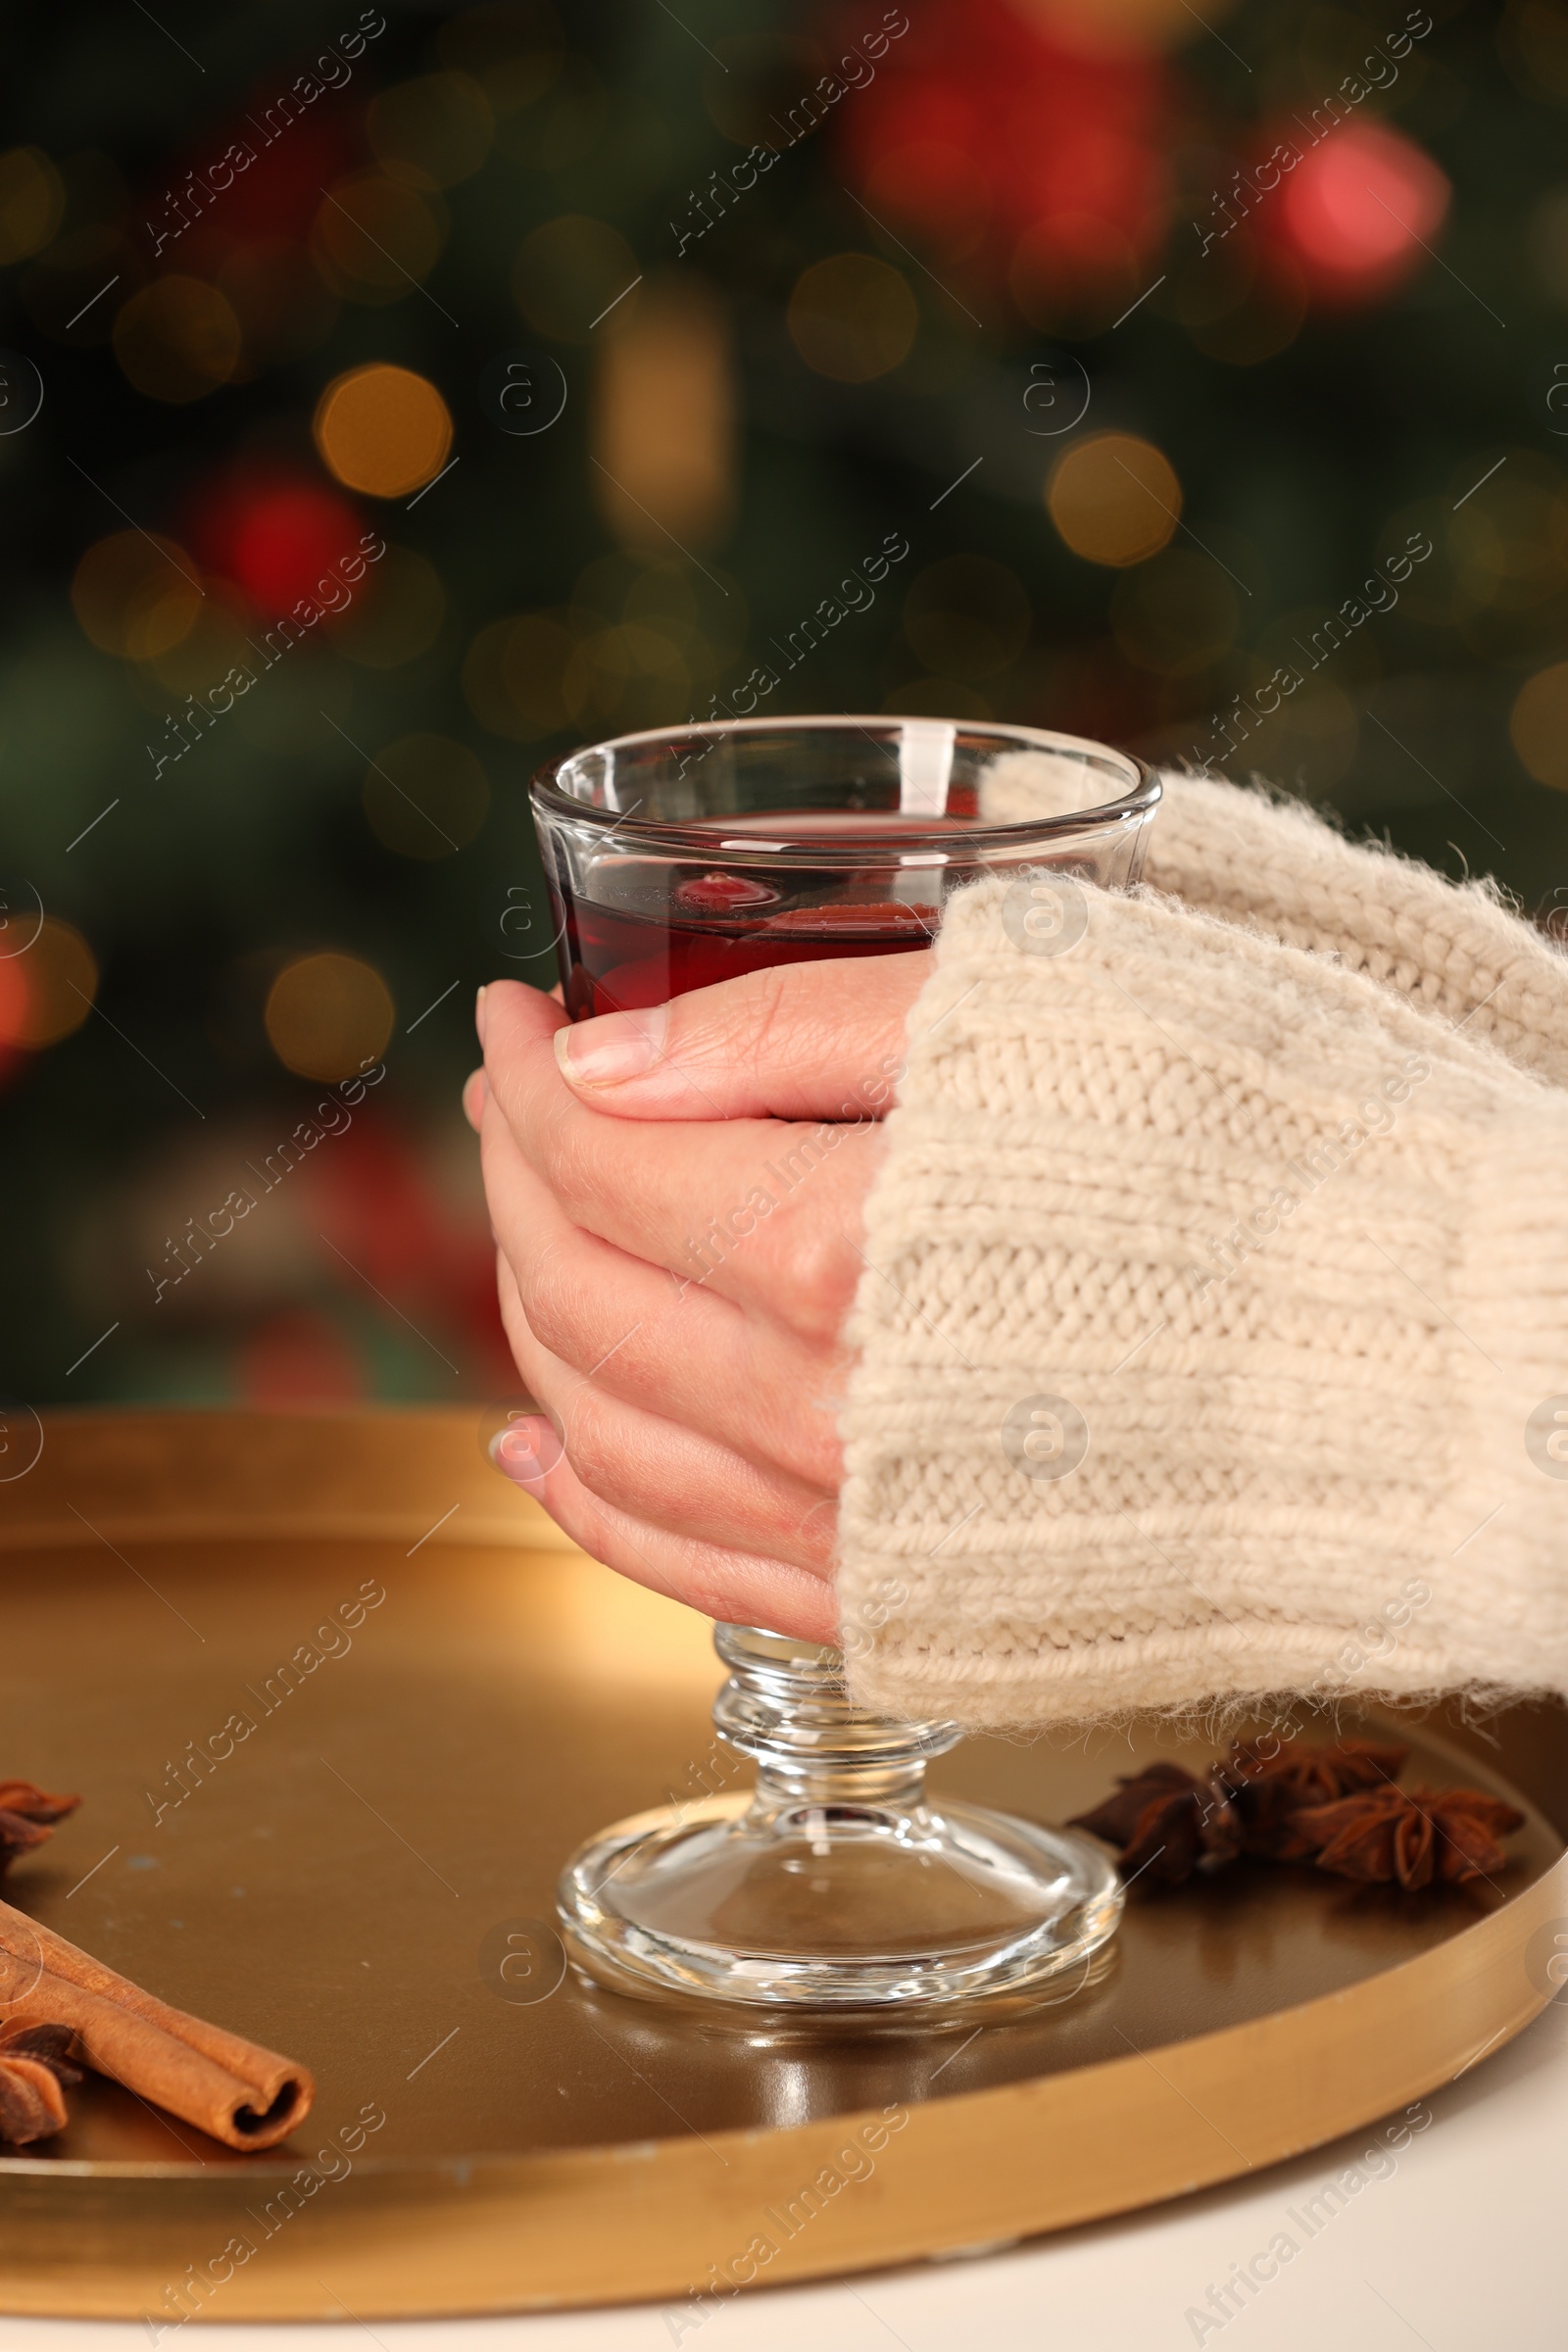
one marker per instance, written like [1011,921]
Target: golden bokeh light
[328,1015]
[853,317]
[33,203]
[177,340]
[1508,543]
[425,796]
[373,233]
[1539,725]
[663,420]
[136,595]
[55,983]
[216,645]
[395,616]
[1114,498]
[515,673]
[383,429]
[567,274]
[623,678]
[967,616]
[432,133]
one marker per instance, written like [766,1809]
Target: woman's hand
[676,1197]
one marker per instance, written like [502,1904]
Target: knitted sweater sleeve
[1213,1342]
[1267,861]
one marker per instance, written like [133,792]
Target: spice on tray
[1337,1807]
[242,2095]
[1412,1834]
[26,1817]
[33,2066]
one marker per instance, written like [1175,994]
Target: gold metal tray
[365,1880]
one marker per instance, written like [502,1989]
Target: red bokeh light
[14,1003]
[273,534]
[1357,211]
[979,128]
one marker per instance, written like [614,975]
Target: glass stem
[784,1705]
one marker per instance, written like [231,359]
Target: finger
[474,1092]
[801,1041]
[731,1587]
[662,1474]
[762,1211]
[670,1347]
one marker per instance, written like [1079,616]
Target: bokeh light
[373,233]
[569,272]
[1114,498]
[275,535]
[1358,209]
[328,1015]
[215,644]
[1042,157]
[52,987]
[397,614]
[1539,725]
[136,595]
[383,429]
[425,796]
[967,616]
[177,339]
[853,317]
[625,678]
[1508,541]
[1262,321]
[515,673]
[663,420]
[32,202]
[432,133]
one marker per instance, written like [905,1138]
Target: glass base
[838,1887]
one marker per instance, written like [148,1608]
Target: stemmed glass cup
[675,860]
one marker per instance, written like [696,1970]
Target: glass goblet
[680,857]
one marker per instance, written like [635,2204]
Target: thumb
[799,1041]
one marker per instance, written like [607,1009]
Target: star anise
[25,1813]
[1271,1785]
[1411,1835]
[1166,1821]
[33,2069]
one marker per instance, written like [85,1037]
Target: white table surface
[1462,2248]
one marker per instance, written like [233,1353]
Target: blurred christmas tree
[424,394]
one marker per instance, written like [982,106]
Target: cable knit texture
[1210,1290]
[1266,860]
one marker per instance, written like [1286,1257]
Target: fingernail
[479,1015]
[616,1046]
[527,1449]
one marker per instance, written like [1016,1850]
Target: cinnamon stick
[233,2089]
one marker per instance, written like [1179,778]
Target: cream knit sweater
[1214,1339]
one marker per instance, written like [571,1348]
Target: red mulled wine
[616,962]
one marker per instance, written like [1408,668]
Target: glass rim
[1137,801]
